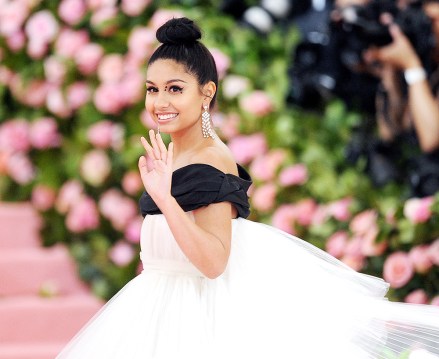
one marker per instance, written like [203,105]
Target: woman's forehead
[165,69]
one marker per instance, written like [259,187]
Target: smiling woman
[216,285]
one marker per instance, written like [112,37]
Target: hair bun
[178,31]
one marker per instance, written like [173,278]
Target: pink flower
[228,125]
[305,210]
[104,20]
[264,167]
[283,218]
[370,247]
[83,216]
[14,136]
[336,244]
[41,27]
[5,75]
[132,88]
[433,252]
[12,16]
[132,230]
[121,253]
[57,103]
[87,58]
[293,175]
[33,93]
[234,85]
[78,94]
[20,168]
[340,209]
[16,41]
[106,134]
[161,16]
[107,99]
[69,193]
[134,7]
[420,258]
[354,247]
[222,62]
[418,296]
[398,269]
[132,183]
[361,223]
[44,133]
[435,301]
[111,68]
[55,70]
[354,262]
[264,197]
[141,41]
[72,11]
[257,103]
[417,210]
[43,197]
[95,167]
[117,208]
[69,42]
[96,4]
[245,148]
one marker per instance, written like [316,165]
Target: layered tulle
[279,297]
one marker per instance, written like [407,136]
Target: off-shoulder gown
[279,297]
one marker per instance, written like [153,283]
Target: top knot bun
[178,31]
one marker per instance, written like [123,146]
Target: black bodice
[197,185]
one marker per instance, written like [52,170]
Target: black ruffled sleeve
[198,185]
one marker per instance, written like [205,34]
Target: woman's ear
[209,90]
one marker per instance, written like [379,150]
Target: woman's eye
[175,89]
[151,89]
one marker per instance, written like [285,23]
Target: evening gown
[279,297]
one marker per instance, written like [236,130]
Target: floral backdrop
[72,88]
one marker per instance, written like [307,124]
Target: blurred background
[339,152]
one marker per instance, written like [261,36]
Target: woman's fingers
[162,147]
[170,154]
[149,150]
[155,147]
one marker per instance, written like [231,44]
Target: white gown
[279,297]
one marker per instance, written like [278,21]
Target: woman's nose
[161,100]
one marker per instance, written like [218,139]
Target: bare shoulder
[219,157]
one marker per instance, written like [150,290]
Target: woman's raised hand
[157,180]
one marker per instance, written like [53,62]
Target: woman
[214,284]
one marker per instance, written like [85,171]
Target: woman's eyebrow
[167,82]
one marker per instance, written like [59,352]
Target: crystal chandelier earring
[206,124]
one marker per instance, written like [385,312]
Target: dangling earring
[206,126]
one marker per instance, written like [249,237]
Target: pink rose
[134,7]
[370,247]
[293,175]
[417,210]
[57,103]
[69,193]
[44,133]
[20,168]
[43,197]
[78,94]
[398,269]
[16,41]
[222,62]
[55,70]
[355,262]
[132,230]
[417,297]
[87,58]
[41,27]
[33,93]
[72,11]
[161,16]
[36,49]
[12,16]
[245,148]
[361,223]
[5,75]
[106,134]
[229,125]
[83,216]
[264,197]
[336,244]
[104,20]
[305,209]
[420,259]
[111,68]
[234,85]
[433,252]
[132,88]
[435,301]
[95,167]
[354,247]
[264,167]
[257,103]
[117,208]
[340,209]
[320,215]
[141,41]
[14,136]
[122,253]
[107,98]
[69,42]
[283,218]
[132,183]
[96,4]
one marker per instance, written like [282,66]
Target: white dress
[279,297]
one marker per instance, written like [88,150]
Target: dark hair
[179,38]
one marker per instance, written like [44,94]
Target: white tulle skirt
[279,298]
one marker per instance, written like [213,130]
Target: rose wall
[72,89]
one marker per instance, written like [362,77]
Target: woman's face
[174,98]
